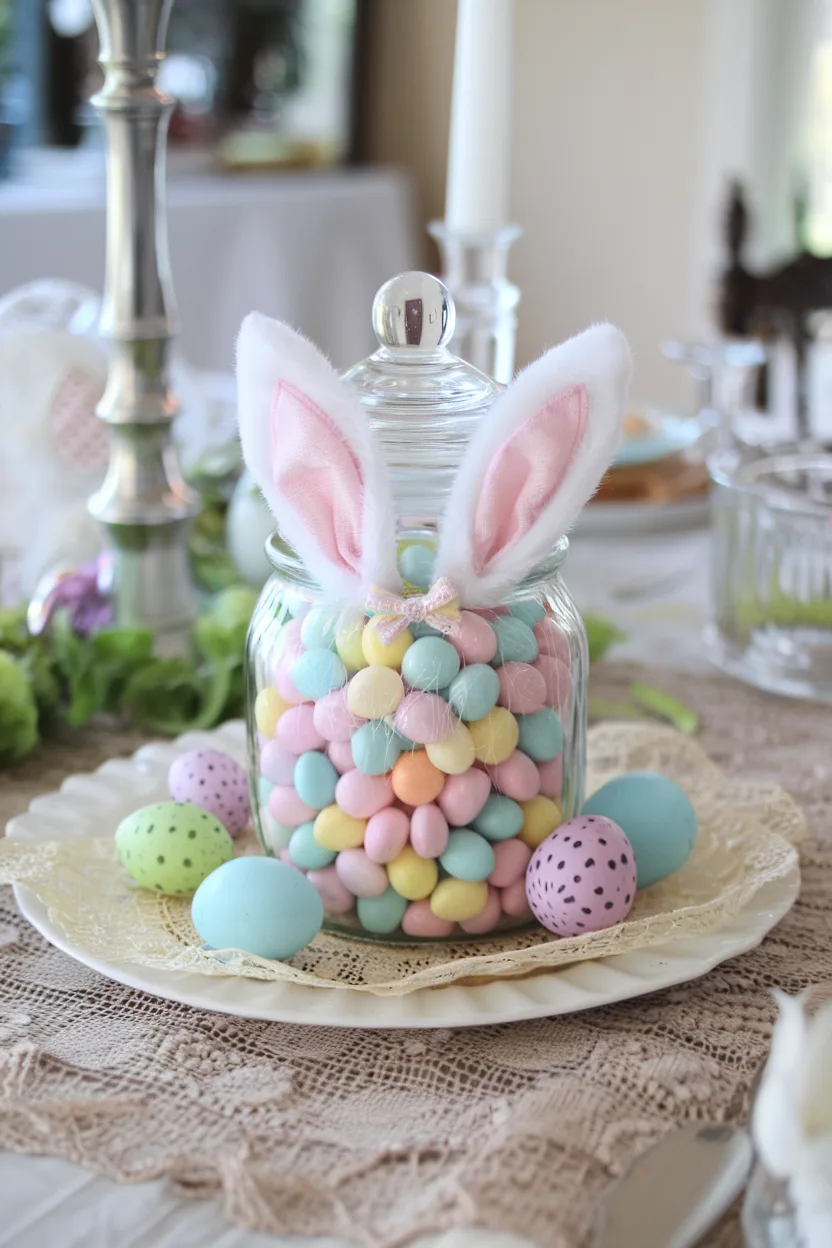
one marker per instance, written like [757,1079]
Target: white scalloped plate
[93,805]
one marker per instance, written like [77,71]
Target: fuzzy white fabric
[599,360]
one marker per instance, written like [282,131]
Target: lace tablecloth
[379,1137]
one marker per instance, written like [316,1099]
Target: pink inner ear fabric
[318,475]
[526,473]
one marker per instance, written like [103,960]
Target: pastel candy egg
[265,786]
[305,852]
[315,780]
[416,565]
[332,716]
[358,873]
[455,754]
[363,796]
[336,897]
[420,628]
[416,780]
[335,829]
[424,718]
[386,834]
[459,900]
[287,643]
[655,814]
[558,680]
[412,876]
[428,831]
[582,878]
[284,684]
[348,642]
[551,640]
[375,692]
[474,691]
[268,707]
[259,905]
[513,900]
[516,643]
[317,671]
[474,638]
[390,655]
[277,765]
[529,611]
[517,777]
[419,920]
[276,834]
[375,747]
[296,731]
[467,856]
[430,663]
[500,818]
[287,808]
[551,777]
[488,918]
[339,754]
[464,796]
[170,847]
[540,817]
[540,735]
[495,736]
[212,780]
[522,688]
[319,627]
[510,861]
[381,915]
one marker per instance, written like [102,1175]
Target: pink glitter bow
[392,613]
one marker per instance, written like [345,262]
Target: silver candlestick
[143,505]
[474,270]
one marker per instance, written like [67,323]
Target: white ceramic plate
[94,805]
[613,519]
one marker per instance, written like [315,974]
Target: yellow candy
[336,830]
[458,900]
[268,707]
[411,876]
[540,817]
[375,650]
[375,692]
[348,643]
[494,736]
[453,755]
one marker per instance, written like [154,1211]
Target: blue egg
[656,816]
[500,818]
[516,643]
[529,611]
[264,788]
[541,735]
[305,851]
[381,914]
[319,628]
[430,663]
[468,856]
[474,691]
[315,780]
[420,629]
[416,565]
[317,672]
[375,747]
[259,905]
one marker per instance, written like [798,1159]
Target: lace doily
[747,836]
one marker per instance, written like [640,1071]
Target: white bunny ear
[535,460]
[308,445]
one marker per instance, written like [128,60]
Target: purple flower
[83,592]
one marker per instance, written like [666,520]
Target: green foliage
[18,710]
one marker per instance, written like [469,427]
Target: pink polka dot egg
[213,781]
[582,878]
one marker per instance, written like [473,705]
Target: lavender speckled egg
[213,781]
[582,878]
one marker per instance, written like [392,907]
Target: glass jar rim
[728,470]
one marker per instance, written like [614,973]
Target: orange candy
[415,779]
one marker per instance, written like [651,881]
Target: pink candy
[277,764]
[362,796]
[487,918]
[336,898]
[522,688]
[474,638]
[510,861]
[428,831]
[286,807]
[296,731]
[419,920]
[513,899]
[517,777]
[386,834]
[340,755]
[550,640]
[425,718]
[358,873]
[464,796]
[558,681]
[333,718]
[551,777]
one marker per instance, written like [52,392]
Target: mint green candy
[375,747]
[516,643]
[468,856]
[416,565]
[541,735]
[382,914]
[430,663]
[305,851]
[529,611]
[319,628]
[474,691]
[500,818]
[315,780]
[318,672]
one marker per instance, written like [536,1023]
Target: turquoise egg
[430,663]
[474,691]
[319,628]
[259,905]
[421,629]
[317,672]
[315,780]
[529,611]
[381,914]
[375,747]
[516,643]
[416,565]
[468,856]
[264,788]
[541,735]
[657,817]
[500,818]
[305,851]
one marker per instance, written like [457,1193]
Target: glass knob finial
[414,310]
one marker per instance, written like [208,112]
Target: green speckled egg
[171,847]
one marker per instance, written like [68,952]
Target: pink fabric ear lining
[526,473]
[315,470]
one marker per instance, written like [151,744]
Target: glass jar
[471,746]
